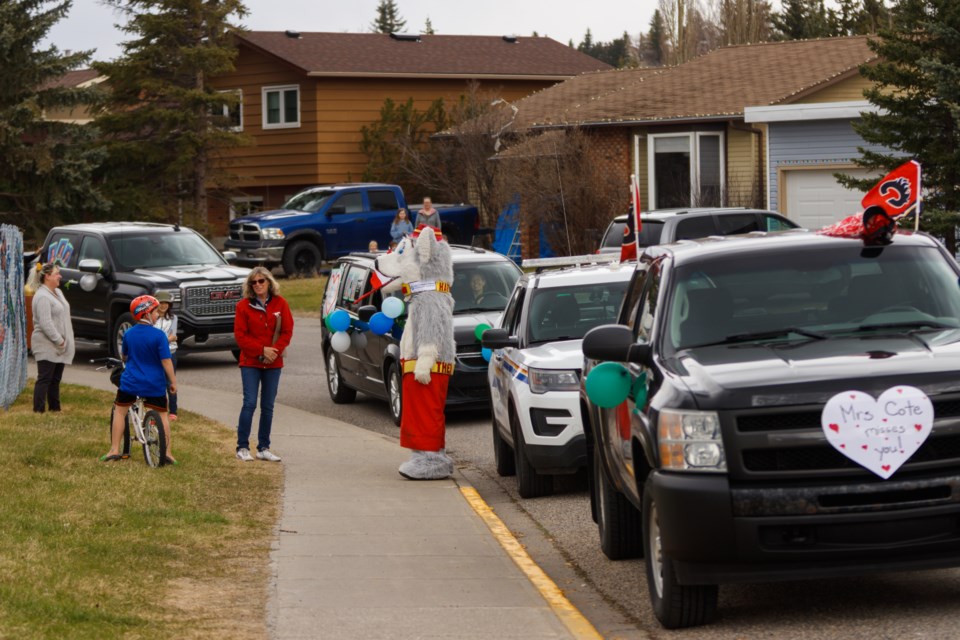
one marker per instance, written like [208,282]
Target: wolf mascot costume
[423,268]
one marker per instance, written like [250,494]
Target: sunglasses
[259,281]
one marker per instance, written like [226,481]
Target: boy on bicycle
[146,354]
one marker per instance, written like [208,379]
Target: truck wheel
[120,326]
[395,392]
[675,605]
[301,258]
[340,393]
[530,484]
[502,453]
[617,519]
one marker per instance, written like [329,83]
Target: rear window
[650,231]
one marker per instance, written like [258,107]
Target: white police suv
[535,364]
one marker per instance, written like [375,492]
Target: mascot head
[421,256]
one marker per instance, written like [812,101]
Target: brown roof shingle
[376,54]
[718,84]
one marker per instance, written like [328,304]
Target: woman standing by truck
[52,339]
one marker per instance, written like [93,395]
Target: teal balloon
[326,323]
[339,320]
[478,332]
[639,392]
[486,353]
[380,323]
[608,384]
[392,307]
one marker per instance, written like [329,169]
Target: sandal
[108,457]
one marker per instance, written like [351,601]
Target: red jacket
[254,326]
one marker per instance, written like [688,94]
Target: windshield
[650,231]
[309,201]
[483,286]
[159,250]
[567,313]
[812,294]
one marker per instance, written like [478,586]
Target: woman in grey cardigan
[52,339]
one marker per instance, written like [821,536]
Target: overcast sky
[90,23]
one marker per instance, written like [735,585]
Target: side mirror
[614,343]
[91,265]
[229,256]
[498,339]
[366,312]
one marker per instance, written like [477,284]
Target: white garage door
[814,199]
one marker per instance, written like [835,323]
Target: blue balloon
[339,320]
[392,307]
[380,323]
[486,353]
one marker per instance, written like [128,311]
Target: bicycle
[147,423]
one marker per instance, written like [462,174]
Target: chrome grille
[244,232]
[212,300]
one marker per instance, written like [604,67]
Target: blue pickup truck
[329,221]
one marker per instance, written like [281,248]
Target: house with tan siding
[304,97]
[683,132]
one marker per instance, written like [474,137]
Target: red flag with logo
[631,233]
[898,192]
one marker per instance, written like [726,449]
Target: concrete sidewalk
[362,553]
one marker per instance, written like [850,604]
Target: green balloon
[478,332]
[326,322]
[608,384]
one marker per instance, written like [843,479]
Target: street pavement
[361,552]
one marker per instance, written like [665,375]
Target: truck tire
[618,520]
[530,484]
[301,258]
[675,605]
[120,326]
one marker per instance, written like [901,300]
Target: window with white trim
[685,169]
[231,112]
[281,107]
[245,206]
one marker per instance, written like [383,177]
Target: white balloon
[392,307]
[88,282]
[340,341]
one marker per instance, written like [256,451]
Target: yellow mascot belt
[410,288]
[443,368]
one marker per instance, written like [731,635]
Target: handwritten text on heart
[880,434]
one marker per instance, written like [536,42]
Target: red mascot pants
[423,423]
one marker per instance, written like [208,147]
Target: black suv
[372,362]
[106,265]
[669,225]
[718,466]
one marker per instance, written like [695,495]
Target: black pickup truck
[106,265]
[724,463]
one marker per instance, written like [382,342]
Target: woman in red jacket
[263,328]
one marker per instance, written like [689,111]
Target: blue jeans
[265,382]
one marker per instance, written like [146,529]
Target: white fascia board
[812,111]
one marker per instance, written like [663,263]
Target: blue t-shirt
[144,346]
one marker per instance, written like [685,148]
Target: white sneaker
[244,454]
[268,455]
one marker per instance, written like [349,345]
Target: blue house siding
[812,142]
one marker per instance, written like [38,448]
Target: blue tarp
[506,240]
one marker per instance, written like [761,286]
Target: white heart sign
[880,434]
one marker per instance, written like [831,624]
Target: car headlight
[690,441]
[271,234]
[544,380]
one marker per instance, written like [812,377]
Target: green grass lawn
[119,550]
[303,294]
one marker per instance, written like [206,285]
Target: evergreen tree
[165,125]
[45,166]
[388,18]
[655,38]
[804,19]
[428,28]
[917,88]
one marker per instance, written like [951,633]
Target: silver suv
[669,225]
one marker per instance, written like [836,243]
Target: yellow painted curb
[569,615]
